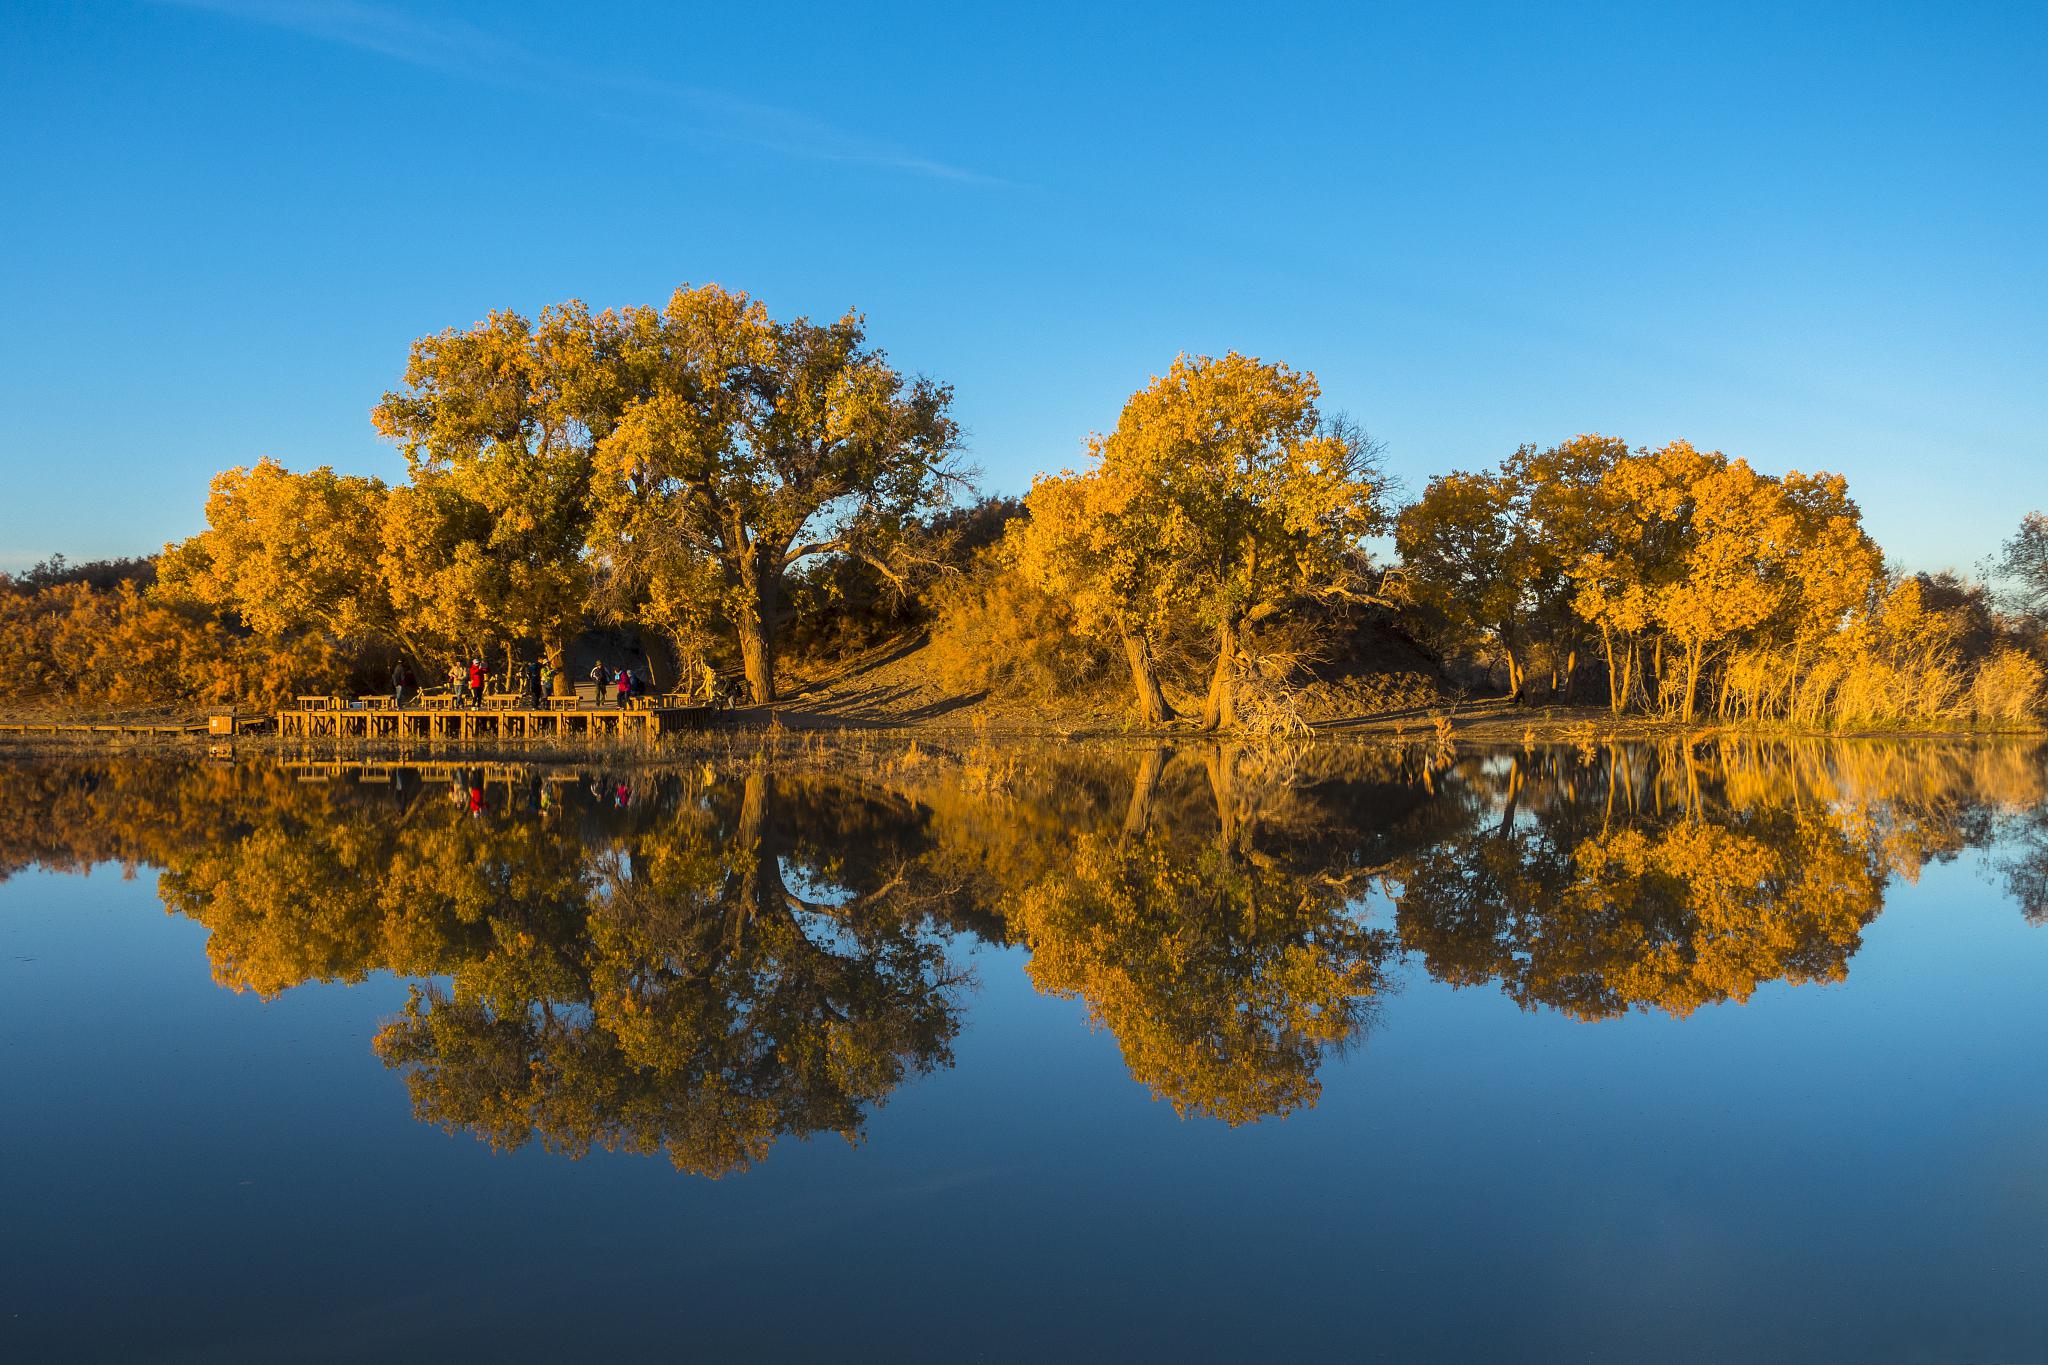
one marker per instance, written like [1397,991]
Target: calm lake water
[1737,1053]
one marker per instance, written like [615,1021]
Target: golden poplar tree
[752,445]
[287,552]
[1222,493]
[485,545]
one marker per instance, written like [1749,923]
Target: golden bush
[2009,689]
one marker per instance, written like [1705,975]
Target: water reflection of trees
[699,962]
[1671,877]
[1670,913]
[702,1007]
[698,970]
[1225,955]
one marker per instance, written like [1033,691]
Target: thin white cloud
[455,48]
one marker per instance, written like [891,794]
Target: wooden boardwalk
[498,724]
[110,728]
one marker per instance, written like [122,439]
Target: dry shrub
[988,768]
[1875,690]
[1269,697]
[1317,662]
[1584,739]
[1907,660]
[2009,689]
[1901,664]
[993,632]
[1755,683]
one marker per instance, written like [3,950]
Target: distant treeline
[745,493]
[1690,583]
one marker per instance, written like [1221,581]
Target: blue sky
[1811,236]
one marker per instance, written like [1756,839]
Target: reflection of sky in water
[1840,1170]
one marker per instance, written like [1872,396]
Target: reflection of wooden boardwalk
[499,724]
[371,773]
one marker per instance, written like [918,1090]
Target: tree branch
[811,547]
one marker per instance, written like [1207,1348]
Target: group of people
[468,792]
[467,680]
[534,680]
[625,684]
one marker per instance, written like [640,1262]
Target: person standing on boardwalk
[625,687]
[476,682]
[402,683]
[600,676]
[531,687]
[458,681]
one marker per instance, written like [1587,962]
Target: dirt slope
[1382,675]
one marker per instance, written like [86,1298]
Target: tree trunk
[1514,798]
[650,645]
[688,674]
[555,655]
[761,881]
[755,622]
[755,656]
[1145,678]
[1614,682]
[412,650]
[1221,763]
[1144,790]
[1219,710]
